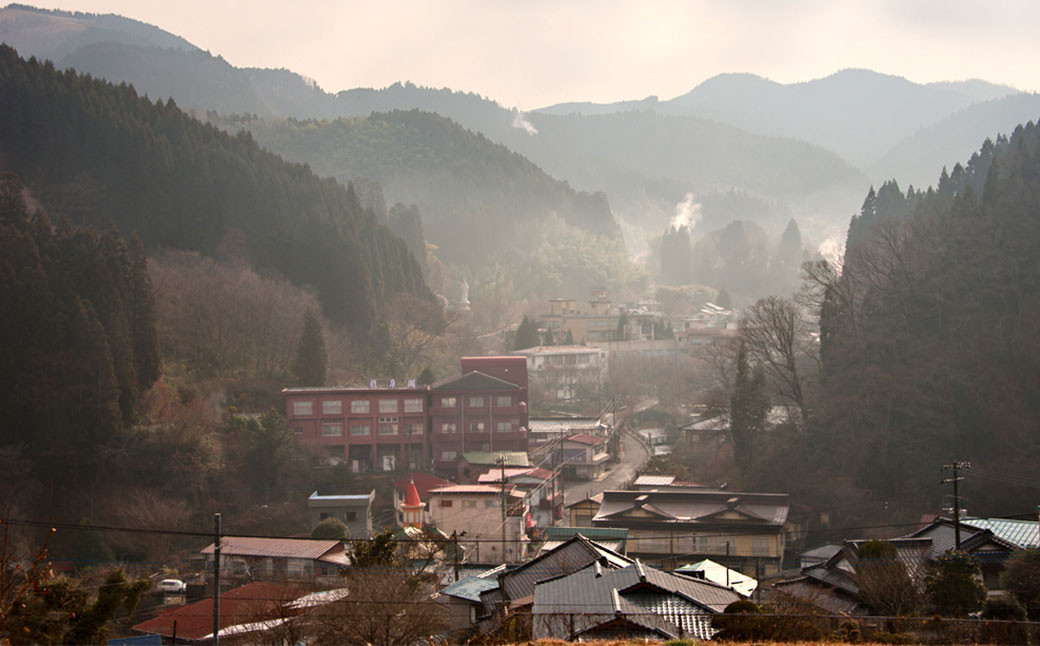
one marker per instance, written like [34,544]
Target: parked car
[171,585]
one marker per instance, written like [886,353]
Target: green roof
[512,458]
[594,533]
[1023,533]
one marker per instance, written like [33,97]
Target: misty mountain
[858,114]
[913,161]
[475,196]
[615,154]
[99,154]
[56,34]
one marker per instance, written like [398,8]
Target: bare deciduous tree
[779,337]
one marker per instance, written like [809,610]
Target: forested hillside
[475,197]
[99,154]
[930,341]
[78,341]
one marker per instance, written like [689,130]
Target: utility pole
[216,579]
[455,542]
[954,466]
[502,463]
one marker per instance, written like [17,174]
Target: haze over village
[482,323]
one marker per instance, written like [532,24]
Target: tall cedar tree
[526,335]
[748,409]
[311,361]
[69,378]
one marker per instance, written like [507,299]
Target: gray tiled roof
[574,554]
[697,507]
[595,595]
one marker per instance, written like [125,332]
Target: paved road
[634,456]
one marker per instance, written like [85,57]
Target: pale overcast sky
[533,53]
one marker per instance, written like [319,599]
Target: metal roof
[470,588]
[474,380]
[653,481]
[1022,533]
[295,548]
[510,458]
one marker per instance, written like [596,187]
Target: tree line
[921,349]
[100,154]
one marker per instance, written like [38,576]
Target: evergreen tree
[311,362]
[570,338]
[621,334]
[526,335]
[331,528]
[954,585]
[723,299]
[748,408]
[549,339]
[426,377]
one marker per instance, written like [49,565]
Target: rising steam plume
[687,214]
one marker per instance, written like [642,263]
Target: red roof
[423,483]
[251,602]
[585,438]
[412,499]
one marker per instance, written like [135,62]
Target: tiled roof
[470,588]
[696,507]
[295,548]
[596,594]
[511,458]
[831,600]
[253,601]
[572,555]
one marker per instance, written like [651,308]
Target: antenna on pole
[954,466]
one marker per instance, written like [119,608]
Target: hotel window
[476,427]
[303,408]
[490,503]
[332,407]
[388,428]
[448,455]
[387,405]
[447,402]
[447,427]
[413,405]
[298,430]
[476,402]
[504,401]
[332,429]
[469,504]
[359,407]
[413,428]
[446,503]
[357,430]
[504,427]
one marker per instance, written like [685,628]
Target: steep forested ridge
[473,194]
[99,154]
[78,340]
[930,338]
